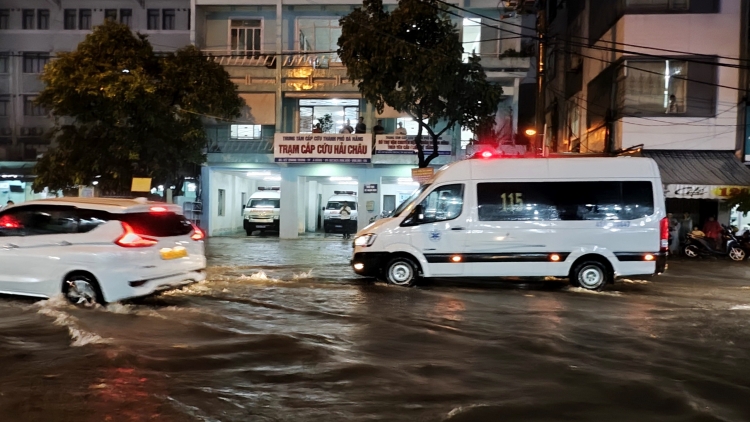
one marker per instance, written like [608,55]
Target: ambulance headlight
[365,240]
[275,217]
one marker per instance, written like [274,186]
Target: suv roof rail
[344,192]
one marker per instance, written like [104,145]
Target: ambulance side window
[443,204]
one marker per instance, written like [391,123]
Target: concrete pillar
[289,204]
[279,63]
[205,195]
[313,209]
[368,177]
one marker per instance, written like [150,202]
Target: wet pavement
[283,331]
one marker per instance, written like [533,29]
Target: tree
[123,111]
[411,60]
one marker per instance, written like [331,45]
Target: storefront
[699,183]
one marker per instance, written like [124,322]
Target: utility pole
[541,29]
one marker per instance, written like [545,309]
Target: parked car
[332,222]
[97,249]
[262,211]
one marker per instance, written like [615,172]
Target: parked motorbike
[700,246]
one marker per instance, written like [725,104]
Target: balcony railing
[290,59]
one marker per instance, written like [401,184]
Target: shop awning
[700,174]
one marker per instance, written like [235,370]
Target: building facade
[282,56]
[32,32]
[661,76]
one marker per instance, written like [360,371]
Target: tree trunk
[435,153]
[420,148]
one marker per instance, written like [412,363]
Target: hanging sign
[371,188]
[422,175]
[404,144]
[703,191]
[322,148]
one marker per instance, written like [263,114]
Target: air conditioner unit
[6,131]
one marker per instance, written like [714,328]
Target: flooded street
[284,331]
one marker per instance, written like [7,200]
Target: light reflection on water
[266,338]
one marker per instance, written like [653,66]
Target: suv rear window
[161,224]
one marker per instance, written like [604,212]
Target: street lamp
[530,132]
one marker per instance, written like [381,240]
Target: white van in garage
[589,219]
[262,210]
[332,222]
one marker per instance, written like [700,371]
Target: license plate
[339,226]
[173,253]
[261,227]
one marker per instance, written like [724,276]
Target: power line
[585,38]
[636,124]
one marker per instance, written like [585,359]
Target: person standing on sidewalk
[345,214]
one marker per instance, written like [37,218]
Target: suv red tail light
[197,233]
[129,239]
[664,234]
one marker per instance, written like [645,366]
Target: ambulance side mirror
[419,213]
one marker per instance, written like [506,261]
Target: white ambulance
[262,210]
[332,222]
[588,219]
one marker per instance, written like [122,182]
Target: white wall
[396,189]
[233,185]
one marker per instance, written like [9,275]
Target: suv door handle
[10,246]
[64,243]
[457,228]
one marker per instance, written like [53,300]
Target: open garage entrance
[228,192]
[324,197]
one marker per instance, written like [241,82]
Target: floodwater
[283,331]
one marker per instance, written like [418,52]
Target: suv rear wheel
[82,290]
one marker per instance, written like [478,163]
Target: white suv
[97,249]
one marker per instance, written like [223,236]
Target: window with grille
[4,62]
[305,119]
[28,19]
[84,19]
[42,19]
[31,108]
[153,19]
[167,19]
[126,16]
[4,18]
[246,36]
[4,105]
[317,34]
[34,62]
[110,14]
[245,132]
[70,19]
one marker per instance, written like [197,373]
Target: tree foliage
[122,111]
[411,60]
[741,201]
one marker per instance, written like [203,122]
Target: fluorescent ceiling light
[339,179]
[258,173]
